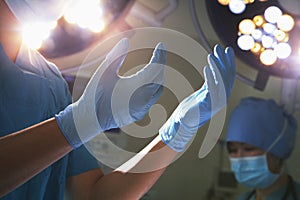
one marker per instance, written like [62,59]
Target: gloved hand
[200,106]
[111,101]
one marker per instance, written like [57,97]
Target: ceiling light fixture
[265,36]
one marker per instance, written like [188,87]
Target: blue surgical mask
[253,171]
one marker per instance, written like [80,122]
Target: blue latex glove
[199,107]
[111,101]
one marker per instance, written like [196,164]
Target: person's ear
[274,163]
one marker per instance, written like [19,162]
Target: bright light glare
[35,33]
[256,48]
[224,2]
[87,14]
[246,26]
[245,42]
[267,35]
[272,14]
[279,35]
[257,34]
[268,57]
[248,1]
[237,6]
[267,41]
[269,28]
[258,20]
[286,23]
[283,50]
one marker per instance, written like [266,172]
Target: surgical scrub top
[277,194]
[33,90]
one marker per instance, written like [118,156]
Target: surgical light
[286,23]
[267,41]
[86,14]
[224,2]
[34,34]
[245,42]
[280,35]
[272,14]
[283,50]
[268,57]
[246,26]
[270,31]
[256,48]
[237,6]
[272,48]
[83,24]
[257,34]
[269,28]
[259,20]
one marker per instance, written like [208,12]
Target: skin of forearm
[26,153]
[133,185]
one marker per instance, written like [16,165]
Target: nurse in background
[260,138]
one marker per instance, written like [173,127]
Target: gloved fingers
[159,54]
[140,103]
[186,103]
[231,59]
[198,94]
[108,69]
[214,65]
[147,92]
[154,71]
[159,78]
[230,56]
[155,68]
[151,73]
[219,53]
[225,61]
[226,72]
[156,95]
[216,90]
[210,77]
[115,58]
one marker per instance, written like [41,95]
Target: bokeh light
[267,35]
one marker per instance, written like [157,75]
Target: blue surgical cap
[264,124]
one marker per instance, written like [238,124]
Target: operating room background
[190,177]
[193,178]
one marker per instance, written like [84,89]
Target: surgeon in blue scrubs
[41,146]
[260,138]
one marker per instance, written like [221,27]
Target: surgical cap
[264,124]
[32,10]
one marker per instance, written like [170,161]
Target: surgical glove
[110,100]
[199,107]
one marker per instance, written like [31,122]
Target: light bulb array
[267,35]
[237,6]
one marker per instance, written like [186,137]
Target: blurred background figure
[260,138]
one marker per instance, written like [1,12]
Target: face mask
[27,11]
[253,171]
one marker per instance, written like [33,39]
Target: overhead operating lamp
[264,36]
[267,35]
[83,23]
